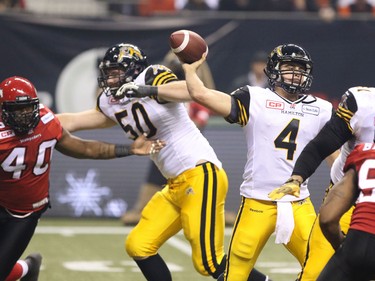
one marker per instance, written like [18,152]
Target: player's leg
[334,271]
[255,223]
[319,250]
[354,260]
[304,217]
[154,183]
[202,198]
[160,220]
[15,235]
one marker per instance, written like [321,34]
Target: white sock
[25,267]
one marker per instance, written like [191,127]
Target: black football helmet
[128,59]
[19,104]
[289,53]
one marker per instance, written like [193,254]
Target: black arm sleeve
[332,136]
[240,107]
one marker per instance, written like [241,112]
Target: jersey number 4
[287,138]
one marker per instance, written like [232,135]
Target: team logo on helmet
[128,52]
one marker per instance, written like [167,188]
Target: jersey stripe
[163,78]
[345,115]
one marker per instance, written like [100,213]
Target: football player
[353,123]
[29,132]
[194,196]
[354,258]
[155,180]
[278,122]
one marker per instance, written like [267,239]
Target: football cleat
[34,262]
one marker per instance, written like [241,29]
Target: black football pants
[15,235]
[353,261]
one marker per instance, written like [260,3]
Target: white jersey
[166,121]
[276,132]
[358,110]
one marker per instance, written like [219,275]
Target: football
[187,45]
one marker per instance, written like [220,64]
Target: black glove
[131,90]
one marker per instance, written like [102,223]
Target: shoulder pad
[348,101]
[159,74]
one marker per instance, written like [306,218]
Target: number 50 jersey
[276,132]
[168,121]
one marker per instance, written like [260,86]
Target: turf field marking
[70,231]
[281,267]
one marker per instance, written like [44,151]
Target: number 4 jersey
[25,164]
[276,132]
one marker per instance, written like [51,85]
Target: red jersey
[25,164]
[362,159]
[198,113]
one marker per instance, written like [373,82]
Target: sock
[19,270]
[220,269]
[154,269]
[255,275]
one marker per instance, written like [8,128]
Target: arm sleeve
[332,136]
[240,107]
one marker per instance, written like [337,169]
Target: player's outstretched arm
[174,91]
[84,120]
[91,149]
[217,101]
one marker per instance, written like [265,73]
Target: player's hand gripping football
[143,146]
[291,186]
[192,67]
[131,90]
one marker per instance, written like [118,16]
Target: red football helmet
[19,104]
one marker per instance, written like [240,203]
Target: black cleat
[34,262]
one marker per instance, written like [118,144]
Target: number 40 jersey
[276,132]
[25,163]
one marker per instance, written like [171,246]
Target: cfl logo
[274,104]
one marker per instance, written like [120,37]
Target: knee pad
[136,246]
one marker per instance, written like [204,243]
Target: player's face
[292,73]
[114,77]
[23,114]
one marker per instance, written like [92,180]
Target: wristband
[293,180]
[148,91]
[122,150]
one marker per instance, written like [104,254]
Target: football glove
[291,187]
[131,90]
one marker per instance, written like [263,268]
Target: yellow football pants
[194,202]
[256,221]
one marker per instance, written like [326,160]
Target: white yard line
[176,242]
[107,230]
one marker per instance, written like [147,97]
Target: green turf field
[80,250]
